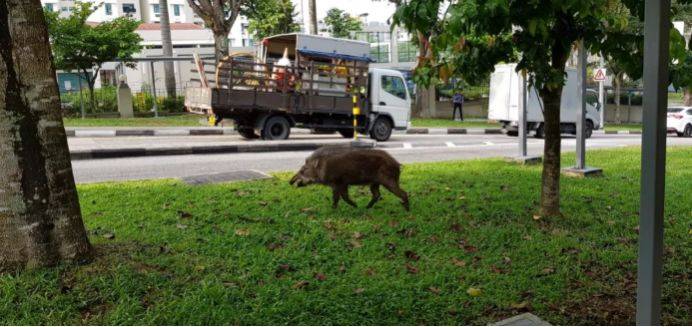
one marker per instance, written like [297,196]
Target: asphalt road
[410,148]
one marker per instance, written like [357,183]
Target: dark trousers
[454,112]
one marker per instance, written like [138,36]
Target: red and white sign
[599,75]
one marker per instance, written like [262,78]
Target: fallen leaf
[411,269]
[300,284]
[547,271]
[306,209]
[506,260]
[473,291]
[456,227]
[342,268]
[520,305]
[408,232]
[536,217]
[184,214]
[458,263]
[263,203]
[433,289]
[496,269]
[242,232]
[181,226]
[461,197]
[411,255]
[393,223]
[109,236]
[320,276]
[355,244]
[527,237]
[359,290]
[357,235]
[274,245]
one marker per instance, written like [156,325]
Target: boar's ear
[315,163]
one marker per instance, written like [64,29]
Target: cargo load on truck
[297,80]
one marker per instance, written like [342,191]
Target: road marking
[407,145]
[450,144]
[488,143]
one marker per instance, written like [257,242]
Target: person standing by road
[458,103]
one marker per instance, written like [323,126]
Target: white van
[505,100]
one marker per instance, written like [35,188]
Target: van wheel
[540,132]
[381,130]
[588,129]
[346,133]
[247,133]
[276,128]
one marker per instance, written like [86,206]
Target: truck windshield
[394,85]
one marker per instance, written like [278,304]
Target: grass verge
[266,253]
[165,121]
[442,123]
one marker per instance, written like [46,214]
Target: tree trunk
[687,99]
[167,45]
[40,218]
[220,44]
[550,193]
[618,83]
[419,101]
[312,12]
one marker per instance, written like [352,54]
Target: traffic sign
[599,75]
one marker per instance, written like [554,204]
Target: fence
[146,80]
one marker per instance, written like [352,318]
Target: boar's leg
[375,190]
[393,187]
[336,195]
[344,195]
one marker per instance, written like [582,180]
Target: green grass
[441,123]
[675,97]
[165,121]
[623,127]
[265,253]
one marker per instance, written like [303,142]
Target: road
[408,149]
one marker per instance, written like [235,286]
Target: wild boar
[339,167]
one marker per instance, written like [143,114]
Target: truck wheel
[512,133]
[381,130]
[346,133]
[687,132]
[540,133]
[247,133]
[588,129]
[276,128]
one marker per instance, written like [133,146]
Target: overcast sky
[378,11]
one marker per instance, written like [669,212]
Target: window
[394,85]
[689,112]
[129,8]
[109,9]
[176,10]
[48,7]
[156,9]
[65,9]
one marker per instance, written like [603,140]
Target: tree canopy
[341,24]
[467,38]
[80,46]
[270,17]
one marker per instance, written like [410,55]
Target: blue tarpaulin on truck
[320,54]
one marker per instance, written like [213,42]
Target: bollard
[356,112]
[124,98]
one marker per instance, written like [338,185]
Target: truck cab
[390,101]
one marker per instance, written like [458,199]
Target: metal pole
[81,98]
[581,113]
[652,193]
[155,108]
[522,116]
[601,96]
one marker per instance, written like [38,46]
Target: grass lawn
[165,121]
[441,123]
[265,253]
[623,127]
